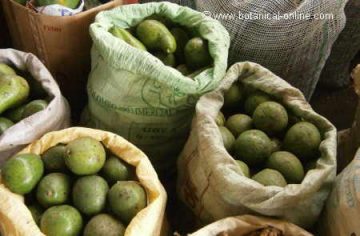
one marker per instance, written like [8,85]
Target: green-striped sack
[133,94]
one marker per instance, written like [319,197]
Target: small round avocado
[36,212]
[220,119]
[5,124]
[126,199]
[254,100]
[288,165]
[270,117]
[253,147]
[197,53]
[227,138]
[85,156]
[89,194]
[269,177]
[22,172]
[63,220]
[104,225]
[53,189]
[54,158]
[303,140]
[244,168]
[233,96]
[115,170]
[238,123]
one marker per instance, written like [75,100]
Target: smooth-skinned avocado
[244,168]
[22,172]
[155,36]
[53,189]
[126,199]
[270,177]
[239,123]
[288,165]
[127,37]
[115,170]
[197,53]
[253,147]
[303,140]
[220,119]
[85,156]
[54,158]
[255,99]
[104,225]
[89,194]
[14,90]
[270,117]
[63,220]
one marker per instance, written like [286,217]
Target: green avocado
[5,124]
[22,172]
[89,194]
[104,225]
[197,53]
[63,220]
[53,189]
[155,36]
[126,199]
[14,90]
[84,156]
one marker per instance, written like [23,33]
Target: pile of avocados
[20,97]
[76,189]
[173,44]
[268,141]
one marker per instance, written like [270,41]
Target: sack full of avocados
[150,64]
[272,155]
[31,103]
[80,181]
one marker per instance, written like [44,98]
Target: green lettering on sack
[141,111]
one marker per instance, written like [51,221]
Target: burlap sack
[243,225]
[56,116]
[295,48]
[349,139]
[132,93]
[342,211]
[214,187]
[16,219]
[338,65]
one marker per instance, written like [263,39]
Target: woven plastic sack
[16,219]
[246,225]
[56,115]
[337,68]
[213,186]
[132,93]
[342,211]
[296,49]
